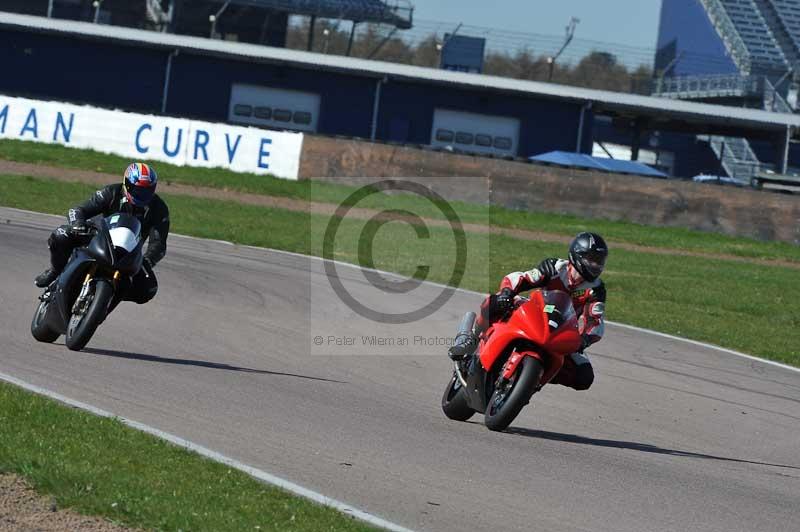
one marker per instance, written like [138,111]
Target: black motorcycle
[88,289]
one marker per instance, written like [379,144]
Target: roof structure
[395,12]
[654,112]
[581,160]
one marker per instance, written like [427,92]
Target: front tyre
[39,328]
[508,399]
[454,401]
[81,327]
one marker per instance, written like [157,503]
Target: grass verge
[615,231]
[98,466]
[734,305]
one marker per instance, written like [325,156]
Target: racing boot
[463,346]
[44,279]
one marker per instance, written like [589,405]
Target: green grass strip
[99,466]
[615,231]
[747,307]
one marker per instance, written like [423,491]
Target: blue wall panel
[684,28]
[545,125]
[201,88]
[100,73]
[767,152]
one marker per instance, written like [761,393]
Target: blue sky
[630,22]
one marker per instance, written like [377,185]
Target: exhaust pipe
[466,326]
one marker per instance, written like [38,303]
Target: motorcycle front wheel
[454,401]
[507,400]
[39,328]
[81,327]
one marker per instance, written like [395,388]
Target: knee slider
[58,238]
[584,377]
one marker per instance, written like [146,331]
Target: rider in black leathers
[136,196]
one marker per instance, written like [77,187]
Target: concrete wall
[741,212]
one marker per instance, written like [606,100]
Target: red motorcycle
[515,357]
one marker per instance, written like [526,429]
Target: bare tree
[597,70]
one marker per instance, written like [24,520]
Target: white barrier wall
[174,140]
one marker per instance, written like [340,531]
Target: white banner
[177,141]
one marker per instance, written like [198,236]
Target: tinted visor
[594,262]
[140,195]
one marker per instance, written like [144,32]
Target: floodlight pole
[666,69]
[551,61]
[97,4]
[327,34]
[213,18]
[50,9]
[352,35]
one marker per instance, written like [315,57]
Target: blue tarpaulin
[580,160]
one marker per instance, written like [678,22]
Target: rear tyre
[507,401]
[39,328]
[81,328]
[454,401]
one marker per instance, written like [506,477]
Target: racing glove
[503,303]
[548,270]
[79,227]
[497,305]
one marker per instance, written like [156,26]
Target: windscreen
[125,231]
[558,307]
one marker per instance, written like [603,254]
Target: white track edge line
[356,266]
[263,476]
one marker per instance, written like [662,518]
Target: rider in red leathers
[579,276]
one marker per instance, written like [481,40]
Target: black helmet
[588,253]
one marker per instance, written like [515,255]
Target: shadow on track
[634,446]
[198,363]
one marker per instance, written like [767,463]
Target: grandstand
[756,50]
[253,21]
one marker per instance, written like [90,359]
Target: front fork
[81,302]
[459,375]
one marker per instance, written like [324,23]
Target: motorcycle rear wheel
[81,328]
[507,402]
[39,328]
[454,401]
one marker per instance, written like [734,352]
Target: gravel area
[23,510]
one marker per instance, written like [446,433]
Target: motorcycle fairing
[478,389]
[545,323]
[118,243]
[66,289]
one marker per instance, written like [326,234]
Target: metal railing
[721,85]
[156,14]
[706,86]
[773,101]
[737,157]
[729,34]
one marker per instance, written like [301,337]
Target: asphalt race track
[672,436]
